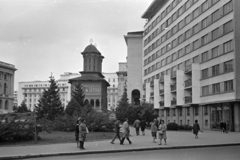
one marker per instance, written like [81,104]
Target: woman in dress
[162,132]
[154,130]
[196,128]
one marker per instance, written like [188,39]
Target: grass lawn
[61,137]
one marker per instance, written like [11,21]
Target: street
[214,153]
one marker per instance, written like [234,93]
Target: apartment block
[190,61]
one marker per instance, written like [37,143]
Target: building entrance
[219,112]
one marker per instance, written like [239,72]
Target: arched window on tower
[97,103]
[6,104]
[92,102]
[86,102]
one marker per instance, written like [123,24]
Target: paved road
[214,153]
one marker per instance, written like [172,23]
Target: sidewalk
[176,140]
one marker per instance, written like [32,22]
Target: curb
[113,151]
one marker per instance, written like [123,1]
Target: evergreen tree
[73,107]
[123,106]
[22,108]
[50,105]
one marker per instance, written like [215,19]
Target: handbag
[160,132]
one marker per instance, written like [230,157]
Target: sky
[41,37]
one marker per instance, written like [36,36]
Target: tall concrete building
[31,91]
[112,90]
[7,72]
[134,41]
[122,78]
[92,79]
[191,61]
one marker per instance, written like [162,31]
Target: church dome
[91,49]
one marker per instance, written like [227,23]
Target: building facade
[134,41]
[112,90]
[122,78]
[31,91]
[92,79]
[190,61]
[7,72]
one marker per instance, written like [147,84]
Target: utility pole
[35,124]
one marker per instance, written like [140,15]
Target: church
[95,86]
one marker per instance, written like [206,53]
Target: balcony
[173,74]
[188,99]
[161,91]
[151,83]
[173,102]
[188,83]
[161,78]
[188,68]
[144,86]
[173,87]
[161,103]
[152,94]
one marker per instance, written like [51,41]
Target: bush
[172,126]
[184,127]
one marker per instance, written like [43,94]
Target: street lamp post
[35,124]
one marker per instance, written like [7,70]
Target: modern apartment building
[7,72]
[190,61]
[122,78]
[112,90]
[31,91]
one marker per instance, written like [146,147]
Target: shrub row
[174,127]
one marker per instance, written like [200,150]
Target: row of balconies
[4,95]
[188,100]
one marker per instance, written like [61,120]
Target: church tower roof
[91,49]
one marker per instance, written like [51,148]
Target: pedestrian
[82,133]
[196,128]
[227,126]
[126,132]
[117,131]
[77,133]
[162,129]
[136,125]
[224,125]
[154,130]
[143,125]
[221,126]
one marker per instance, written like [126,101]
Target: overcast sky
[44,36]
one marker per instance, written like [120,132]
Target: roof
[88,78]
[91,49]
[153,8]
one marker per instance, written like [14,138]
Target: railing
[152,94]
[173,87]
[161,103]
[151,83]
[173,102]
[188,68]
[174,73]
[161,91]
[188,99]
[188,83]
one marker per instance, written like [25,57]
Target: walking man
[136,125]
[126,132]
[117,131]
[143,125]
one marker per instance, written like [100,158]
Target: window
[163,38]
[169,21]
[196,110]
[188,111]
[164,50]
[174,43]
[196,44]
[228,46]
[188,33]
[180,39]
[216,88]
[215,34]
[215,70]
[175,29]
[188,49]
[169,34]
[205,6]
[163,62]
[181,24]
[206,122]
[205,90]
[180,111]
[174,57]
[168,59]
[228,7]
[205,73]
[196,13]
[214,1]
[227,27]
[215,16]
[169,8]
[188,4]
[188,18]
[228,86]
[163,14]
[196,59]
[205,23]
[205,39]
[174,3]
[180,53]
[215,52]
[180,11]
[169,46]
[196,29]
[174,16]
[205,110]
[228,66]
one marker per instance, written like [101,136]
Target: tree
[123,105]
[50,105]
[22,108]
[77,100]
